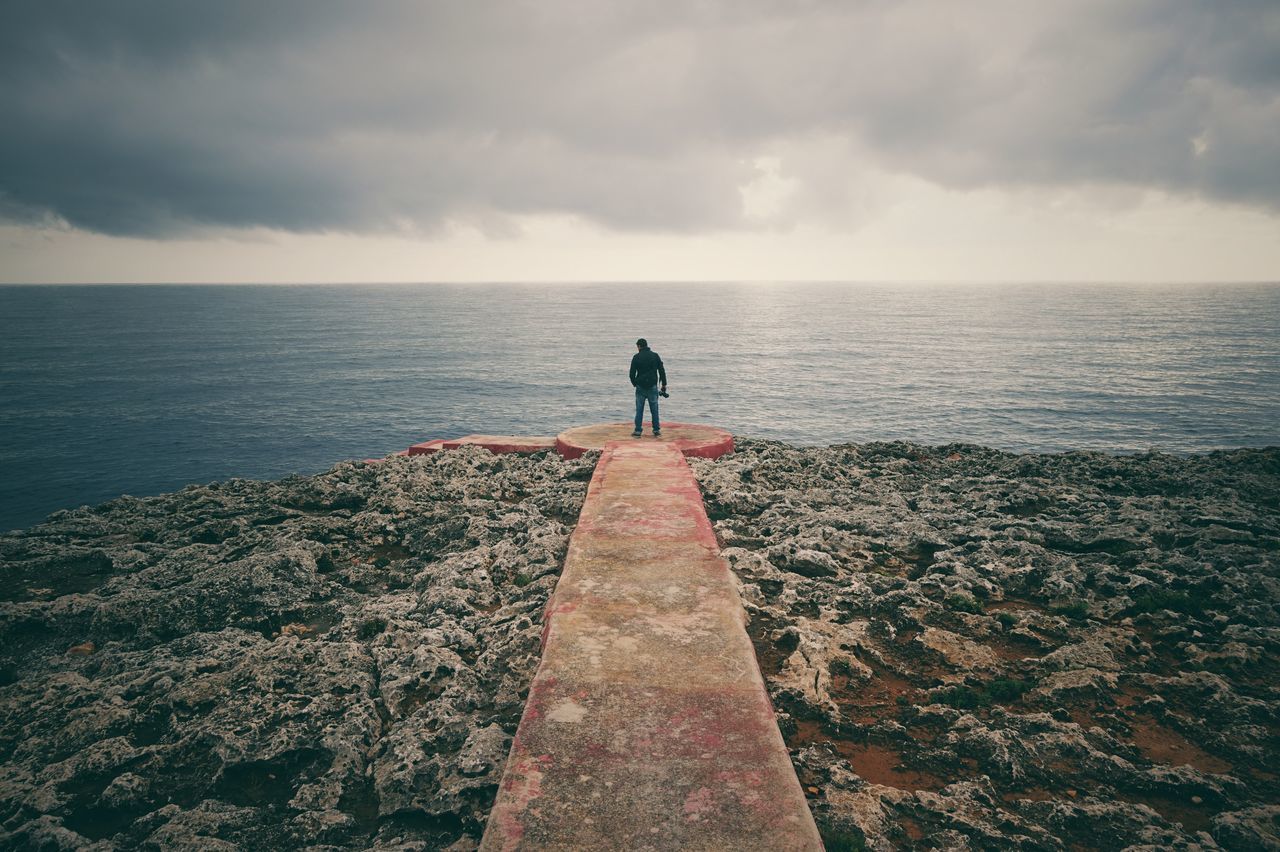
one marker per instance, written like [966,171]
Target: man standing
[646,371]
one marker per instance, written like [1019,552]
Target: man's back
[646,369]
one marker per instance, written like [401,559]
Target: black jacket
[646,369]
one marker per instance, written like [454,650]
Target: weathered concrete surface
[503,443]
[693,440]
[647,724]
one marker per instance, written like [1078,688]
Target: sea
[108,390]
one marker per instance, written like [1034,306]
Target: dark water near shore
[109,390]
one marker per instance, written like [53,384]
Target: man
[646,370]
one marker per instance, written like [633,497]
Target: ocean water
[142,389]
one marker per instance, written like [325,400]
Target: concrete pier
[647,725]
[691,439]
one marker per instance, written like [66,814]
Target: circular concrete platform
[705,442]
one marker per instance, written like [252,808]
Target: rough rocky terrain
[975,650]
[329,661]
[967,649]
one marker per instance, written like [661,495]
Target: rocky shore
[335,661]
[966,648]
[975,650]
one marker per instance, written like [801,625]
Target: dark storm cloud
[155,117]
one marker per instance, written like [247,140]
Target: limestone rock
[1065,651]
[335,661]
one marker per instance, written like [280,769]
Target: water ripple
[106,390]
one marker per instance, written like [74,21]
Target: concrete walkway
[647,725]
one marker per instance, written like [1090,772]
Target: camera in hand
[663,394]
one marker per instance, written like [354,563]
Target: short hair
[642,342]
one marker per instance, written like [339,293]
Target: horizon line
[651,281]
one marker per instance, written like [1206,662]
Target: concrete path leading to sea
[647,725]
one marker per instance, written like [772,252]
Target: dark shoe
[657,433]
[635,434]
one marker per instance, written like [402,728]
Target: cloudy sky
[590,140]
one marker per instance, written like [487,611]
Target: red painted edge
[425,448]
[704,450]
[569,451]
[496,444]
[711,451]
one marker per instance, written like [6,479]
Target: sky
[572,140]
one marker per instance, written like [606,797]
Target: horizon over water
[141,389]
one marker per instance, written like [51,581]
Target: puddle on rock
[1161,744]
[867,702]
[1192,817]
[876,764]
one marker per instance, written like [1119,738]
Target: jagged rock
[1070,685]
[1065,651]
[335,661]
[1095,652]
[1252,829]
[824,649]
[959,652]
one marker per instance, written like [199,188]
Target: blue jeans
[649,394]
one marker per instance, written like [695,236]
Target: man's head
[642,344]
